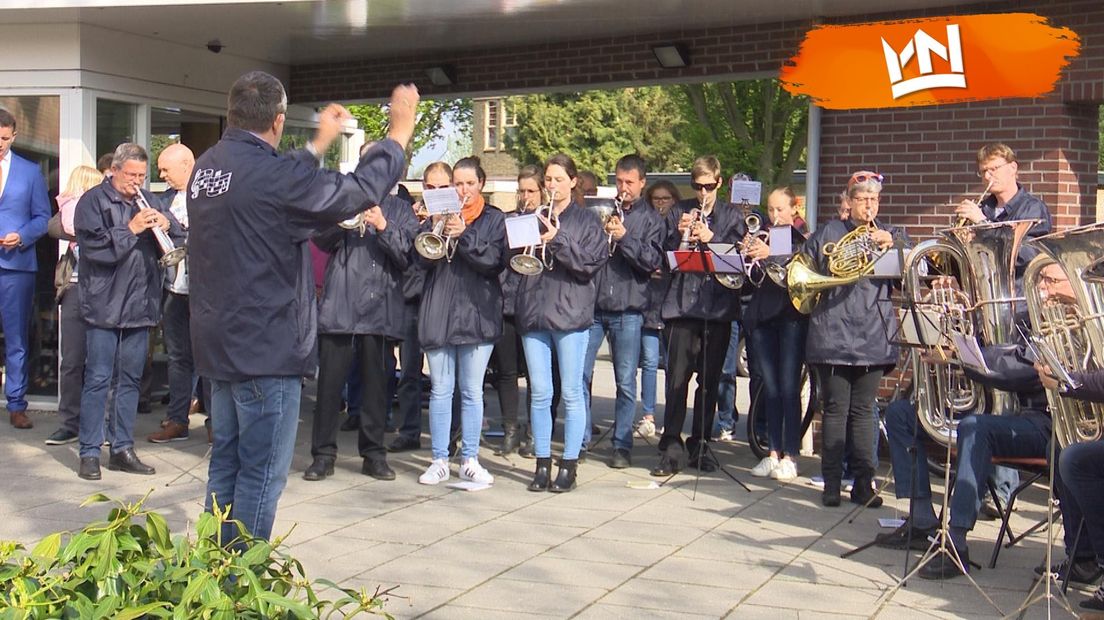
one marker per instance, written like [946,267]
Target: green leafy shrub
[129,567]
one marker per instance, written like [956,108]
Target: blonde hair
[82,179]
[995,149]
[707,164]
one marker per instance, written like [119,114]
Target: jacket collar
[240,135]
[113,194]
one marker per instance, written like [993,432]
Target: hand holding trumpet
[755,249]
[146,219]
[615,228]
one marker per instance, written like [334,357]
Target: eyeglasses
[863,177]
[870,200]
[132,176]
[428,186]
[991,170]
[663,198]
[1049,281]
[697,187]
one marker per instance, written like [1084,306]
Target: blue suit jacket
[25,209]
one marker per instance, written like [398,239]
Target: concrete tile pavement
[692,548]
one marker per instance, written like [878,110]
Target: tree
[597,127]
[752,126]
[433,116]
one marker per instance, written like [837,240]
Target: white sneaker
[786,470]
[765,467]
[646,427]
[726,435]
[438,471]
[473,471]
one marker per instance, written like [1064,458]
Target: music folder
[708,261]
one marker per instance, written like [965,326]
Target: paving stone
[616,551]
[812,597]
[522,596]
[605,611]
[649,594]
[547,569]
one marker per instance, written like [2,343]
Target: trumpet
[696,218]
[619,213]
[528,263]
[357,222]
[755,230]
[434,245]
[732,281]
[170,254]
[959,222]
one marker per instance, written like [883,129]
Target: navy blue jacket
[252,211]
[363,289]
[1023,206]
[562,299]
[623,283]
[851,324]
[1092,386]
[699,295]
[120,279]
[462,299]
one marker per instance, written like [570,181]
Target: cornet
[619,213]
[355,223]
[434,245]
[755,230]
[528,263]
[959,222]
[170,254]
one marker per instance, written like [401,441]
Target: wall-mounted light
[672,56]
[441,75]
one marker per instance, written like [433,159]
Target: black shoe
[402,444]
[863,495]
[351,423]
[942,566]
[1084,571]
[60,437]
[702,459]
[831,495]
[621,459]
[89,468]
[377,468]
[319,468]
[565,479]
[1096,601]
[144,407]
[127,461]
[901,538]
[511,440]
[542,478]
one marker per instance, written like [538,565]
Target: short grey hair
[869,185]
[128,151]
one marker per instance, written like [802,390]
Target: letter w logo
[923,46]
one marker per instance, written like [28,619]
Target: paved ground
[694,548]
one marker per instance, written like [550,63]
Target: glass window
[195,130]
[116,123]
[490,125]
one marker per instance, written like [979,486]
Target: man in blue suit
[24,211]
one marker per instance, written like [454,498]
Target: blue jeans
[624,332]
[649,368]
[468,363]
[570,349]
[254,424]
[778,348]
[118,354]
[726,390]
[1080,482]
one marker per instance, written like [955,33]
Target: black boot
[511,440]
[831,495]
[525,450]
[863,494]
[565,479]
[319,468]
[542,479]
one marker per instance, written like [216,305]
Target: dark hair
[667,185]
[471,163]
[587,174]
[532,172]
[434,167]
[565,162]
[7,119]
[255,100]
[633,162]
[103,164]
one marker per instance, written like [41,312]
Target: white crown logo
[923,46]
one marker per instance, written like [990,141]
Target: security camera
[214,46]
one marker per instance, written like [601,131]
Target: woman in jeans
[555,309]
[662,196]
[848,345]
[460,319]
[776,331]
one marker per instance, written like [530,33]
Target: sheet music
[1043,353]
[969,352]
[440,201]
[523,231]
[746,191]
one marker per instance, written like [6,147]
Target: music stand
[705,261]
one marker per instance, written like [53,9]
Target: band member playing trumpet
[459,321]
[636,251]
[361,314]
[555,311]
[699,312]
[848,341]
[776,332]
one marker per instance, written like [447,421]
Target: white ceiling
[306,31]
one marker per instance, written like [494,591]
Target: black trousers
[848,394]
[695,347]
[73,351]
[335,358]
[506,360]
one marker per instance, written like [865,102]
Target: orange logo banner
[930,61]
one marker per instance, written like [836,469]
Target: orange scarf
[472,210]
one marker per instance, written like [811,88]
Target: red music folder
[692,261]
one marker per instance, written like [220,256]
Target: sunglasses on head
[697,187]
[863,177]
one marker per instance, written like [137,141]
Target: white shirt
[5,168]
[178,281]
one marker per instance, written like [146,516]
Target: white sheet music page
[969,352]
[440,201]
[523,231]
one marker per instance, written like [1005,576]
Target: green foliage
[431,121]
[297,138]
[129,567]
[752,126]
[597,127]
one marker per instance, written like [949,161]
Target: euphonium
[942,392]
[170,254]
[849,259]
[528,263]
[1073,331]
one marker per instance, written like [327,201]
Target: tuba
[170,254]
[1073,331]
[849,260]
[528,263]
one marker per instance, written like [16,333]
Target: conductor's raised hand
[404,113]
[331,122]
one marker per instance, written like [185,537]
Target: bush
[129,567]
